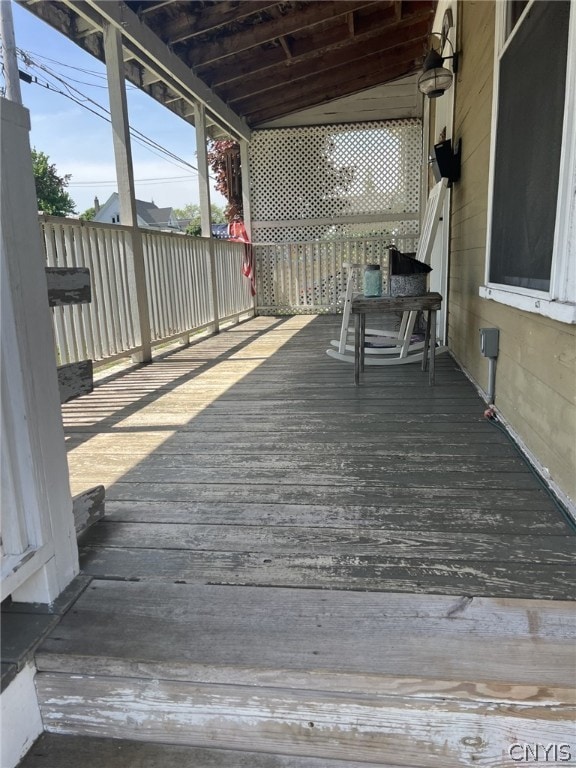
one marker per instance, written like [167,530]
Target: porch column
[125,180]
[246,208]
[40,555]
[203,177]
[204,193]
[11,75]
[245,171]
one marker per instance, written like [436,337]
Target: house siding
[536,368]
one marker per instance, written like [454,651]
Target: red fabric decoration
[237,231]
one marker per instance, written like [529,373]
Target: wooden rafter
[343,82]
[252,59]
[193,23]
[392,44]
[312,45]
[259,34]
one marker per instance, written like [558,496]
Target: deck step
[56,751]
[385,678]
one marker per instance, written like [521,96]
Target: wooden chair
[402,348]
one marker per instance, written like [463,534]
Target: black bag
[406,264]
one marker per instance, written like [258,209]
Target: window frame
[559,302]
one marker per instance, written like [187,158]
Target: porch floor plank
[409,644]
[57,751]
[295,565]
[249,458]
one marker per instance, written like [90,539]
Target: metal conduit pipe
[489,344]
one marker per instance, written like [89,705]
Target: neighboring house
[149,215]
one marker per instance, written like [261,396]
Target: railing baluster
[148,246]
[64,235]
[85,315]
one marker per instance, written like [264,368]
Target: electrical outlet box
[489,340]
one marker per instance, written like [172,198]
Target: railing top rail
[170,233]
[73,222]
[334,241]
[47,219]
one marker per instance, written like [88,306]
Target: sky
[79,142]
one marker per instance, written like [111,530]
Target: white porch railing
[310,277]
[186,279]
[192,283]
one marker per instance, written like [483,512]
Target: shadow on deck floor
[251,459]
[264,577]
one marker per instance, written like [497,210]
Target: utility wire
[152,179]
[79,98]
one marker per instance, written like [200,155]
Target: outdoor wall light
[435,78]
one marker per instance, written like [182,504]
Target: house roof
[256,60]
[148,212]
[153,215]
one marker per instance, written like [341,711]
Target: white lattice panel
[309,277]
[321,174]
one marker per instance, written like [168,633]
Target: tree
[51,188]
[192,212]
[88,214]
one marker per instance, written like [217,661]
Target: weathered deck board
[442,497]
[370,728]
[332,571]
[389,518]
[54,751]
[298,566]
[408,645]
[251,458]
[370,541]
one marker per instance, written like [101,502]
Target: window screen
[528,143]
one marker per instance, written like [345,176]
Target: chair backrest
[430,222]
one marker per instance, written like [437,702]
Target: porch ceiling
[261,60]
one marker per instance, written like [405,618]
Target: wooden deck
[322,574]
[250,458]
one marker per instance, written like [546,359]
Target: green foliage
[192,212]
[88,214]
[51,188]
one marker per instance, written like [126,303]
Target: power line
[156,180]
[80,98]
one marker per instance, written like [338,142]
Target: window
[531,252]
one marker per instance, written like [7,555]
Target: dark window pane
[516,10]
[528,144]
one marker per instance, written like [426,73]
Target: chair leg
[346,313]
[432,315]
[407,333]
[426,343]
[357,342]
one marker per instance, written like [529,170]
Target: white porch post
[203,177]
[40,554]
[11,76]
[125,179]
[246,207]
[245,171]
[204,193]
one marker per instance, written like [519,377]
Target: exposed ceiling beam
[256,58]
[286,47]
[149,7]
[299,69]
[308,47]
[154,54]
[314,13]
[372,71]
[191,23]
